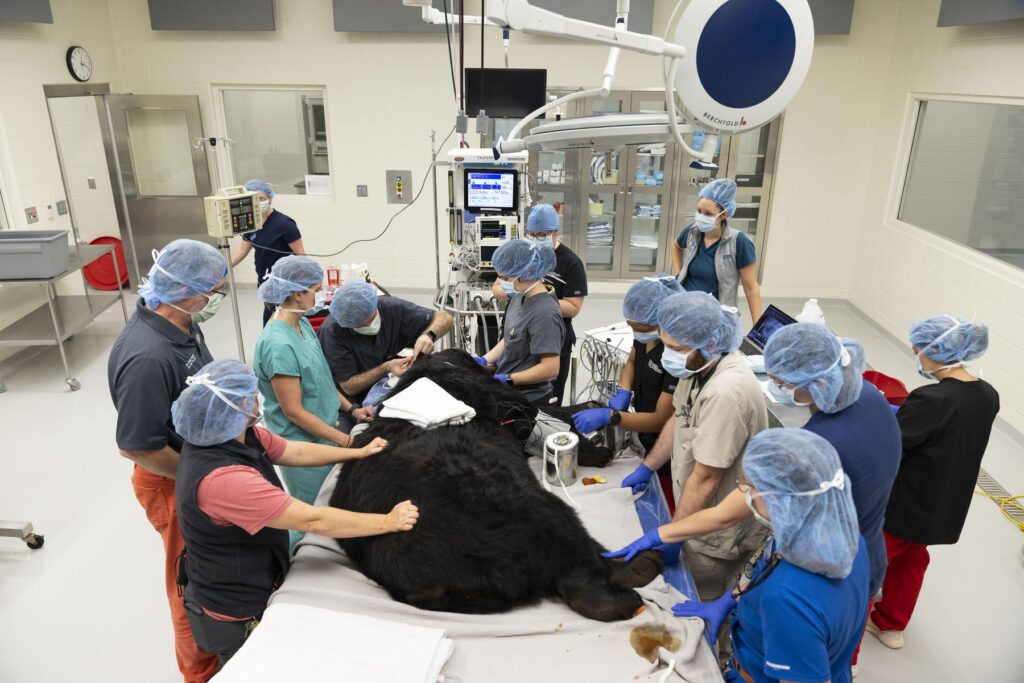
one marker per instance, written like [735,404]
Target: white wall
[825,156]
[903,273]
[384,94]
[32,55]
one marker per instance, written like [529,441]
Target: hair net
[810,357]
[949,339]
[181,270]
[642,299]
[698,320]
[524,259]
[542,218]
[217,404]
[723,192]
[257,185]
[819,533]
[289,275]
[354,303]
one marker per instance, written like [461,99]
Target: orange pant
[156,495]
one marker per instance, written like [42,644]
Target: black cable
[451,62]
[423,185]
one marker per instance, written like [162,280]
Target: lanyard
[691,397]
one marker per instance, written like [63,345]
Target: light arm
[520,15]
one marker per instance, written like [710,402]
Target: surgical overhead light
[734,65]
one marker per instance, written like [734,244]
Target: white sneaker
[855,670]
[891,639]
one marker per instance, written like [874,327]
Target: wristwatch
[431,334]
[616,418]
[351,411]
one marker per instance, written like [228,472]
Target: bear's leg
[596,598]
[639,572]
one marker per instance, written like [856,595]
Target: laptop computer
[771,320]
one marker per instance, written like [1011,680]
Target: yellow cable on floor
[1005,504]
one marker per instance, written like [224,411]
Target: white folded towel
[427,405]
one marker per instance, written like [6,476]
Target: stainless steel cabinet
[622,210]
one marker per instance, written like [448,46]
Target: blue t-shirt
[867,438]
[800,626]
[278,232]
[701,275]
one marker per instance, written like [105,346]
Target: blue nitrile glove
[714,613]
[591,419]
[480,360]
[670,552]
[503,378]
[638,479]
[651,539]
[620,401]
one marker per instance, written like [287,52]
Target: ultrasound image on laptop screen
[769,323]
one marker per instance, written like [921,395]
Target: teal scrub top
[281,351]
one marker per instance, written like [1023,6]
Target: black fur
[489,538]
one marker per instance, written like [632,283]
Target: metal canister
[561,453]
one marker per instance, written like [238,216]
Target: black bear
[489,538]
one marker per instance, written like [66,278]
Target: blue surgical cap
[644,297]
[183,269]
[810,357]
[949,339]
[289,275]
[354,303]
[819,533]
[699,321]
[723,192]
[542,218]
[257,185]
[524,259]
[217,404]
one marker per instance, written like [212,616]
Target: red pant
[856,653]
[156,495]
[907,564]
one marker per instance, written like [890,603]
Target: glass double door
[613,204]
[621,210]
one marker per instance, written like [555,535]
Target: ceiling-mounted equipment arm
[520,15]
[436,17]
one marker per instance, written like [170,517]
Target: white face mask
[757,515]
[706,223]
[646,337]
[675,363]
[785,395]
[371,329]
[301,311]
[213,302]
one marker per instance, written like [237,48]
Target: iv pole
[210,144]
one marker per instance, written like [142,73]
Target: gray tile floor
[90,605]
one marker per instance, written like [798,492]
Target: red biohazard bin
[895,391]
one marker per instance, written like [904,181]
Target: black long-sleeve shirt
[945,429]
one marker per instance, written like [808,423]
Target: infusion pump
[492,232]
[232,211]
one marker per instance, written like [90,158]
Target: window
[279,136]
[161,152]
[965,181]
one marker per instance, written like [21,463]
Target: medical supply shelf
[63,315]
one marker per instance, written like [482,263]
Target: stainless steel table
[63,316]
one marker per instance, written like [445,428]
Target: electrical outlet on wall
[362,191]
[91,182]
[31,215]
[62,207]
